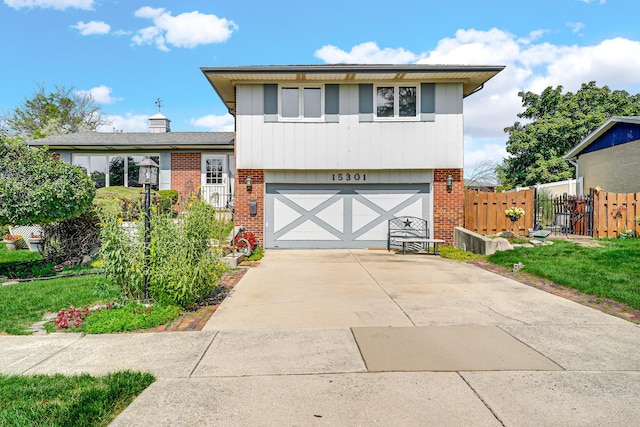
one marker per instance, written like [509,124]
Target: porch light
[449,184]
[148,174]
[249,183]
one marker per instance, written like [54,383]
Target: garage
[339,216]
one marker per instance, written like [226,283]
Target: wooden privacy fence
[615,213]
[484,212]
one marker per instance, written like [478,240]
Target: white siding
[349,144]
[411,176]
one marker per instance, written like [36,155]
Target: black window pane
[384,102]
[407,101]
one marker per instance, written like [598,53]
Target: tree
[482,174]
[35,188]
[557,122]
[54,113]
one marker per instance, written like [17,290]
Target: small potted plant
[13,241]
[35,242]
[514,213]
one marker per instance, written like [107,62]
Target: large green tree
[35,188]
[556,122]
[58,112]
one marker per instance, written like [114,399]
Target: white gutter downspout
[574,163]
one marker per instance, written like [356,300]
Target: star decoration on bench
[407,223]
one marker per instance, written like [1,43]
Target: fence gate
[565,214]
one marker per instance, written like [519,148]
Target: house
[190,162]
[609,156]
[327,154]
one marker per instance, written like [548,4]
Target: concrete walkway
[368,338]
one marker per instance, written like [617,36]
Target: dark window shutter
[366,99]
[331,99]
[270,99]
[428,98]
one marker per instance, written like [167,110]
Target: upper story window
[297,102]
[396,101]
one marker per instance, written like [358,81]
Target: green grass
[451,252]
[610,271]
[11,257]
[128,318]
[23,304]
[57,400]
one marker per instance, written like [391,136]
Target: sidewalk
[368,338]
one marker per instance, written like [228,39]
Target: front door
[215,181]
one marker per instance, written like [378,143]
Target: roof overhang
[131,148]
[224,79]
[593,136]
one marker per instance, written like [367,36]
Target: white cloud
[93,27]
[100,94]
[365,53]
[215,123]
[127,123]
[186,30]
[50,4]
[531,65]
[576,27]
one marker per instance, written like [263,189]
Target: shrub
[183,268]
[72,238]
[122,254]
[256,255]
[166,200]
[37,189]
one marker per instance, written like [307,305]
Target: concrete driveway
[357,337]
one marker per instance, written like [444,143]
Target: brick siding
[254,224]
[185,174]
[448,208]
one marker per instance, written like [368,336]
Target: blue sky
[127,53]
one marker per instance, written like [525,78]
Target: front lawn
[12,257]
[610,271]
[57,400]
[23,304]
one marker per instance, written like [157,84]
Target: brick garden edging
[602,304]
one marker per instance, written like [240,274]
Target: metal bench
[411,232]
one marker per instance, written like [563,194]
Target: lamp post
[147,176]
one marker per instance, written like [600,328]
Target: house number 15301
[348,177]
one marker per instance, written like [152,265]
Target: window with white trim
[301,102]
[109,171]
[396,101]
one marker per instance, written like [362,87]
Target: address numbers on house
[348,176]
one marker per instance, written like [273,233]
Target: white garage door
[338,216]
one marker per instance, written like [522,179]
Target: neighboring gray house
[609,157]
[190,162]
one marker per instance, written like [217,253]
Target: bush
[256,255]
[37,189]
[166,200]
[72,238]
[183,268]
